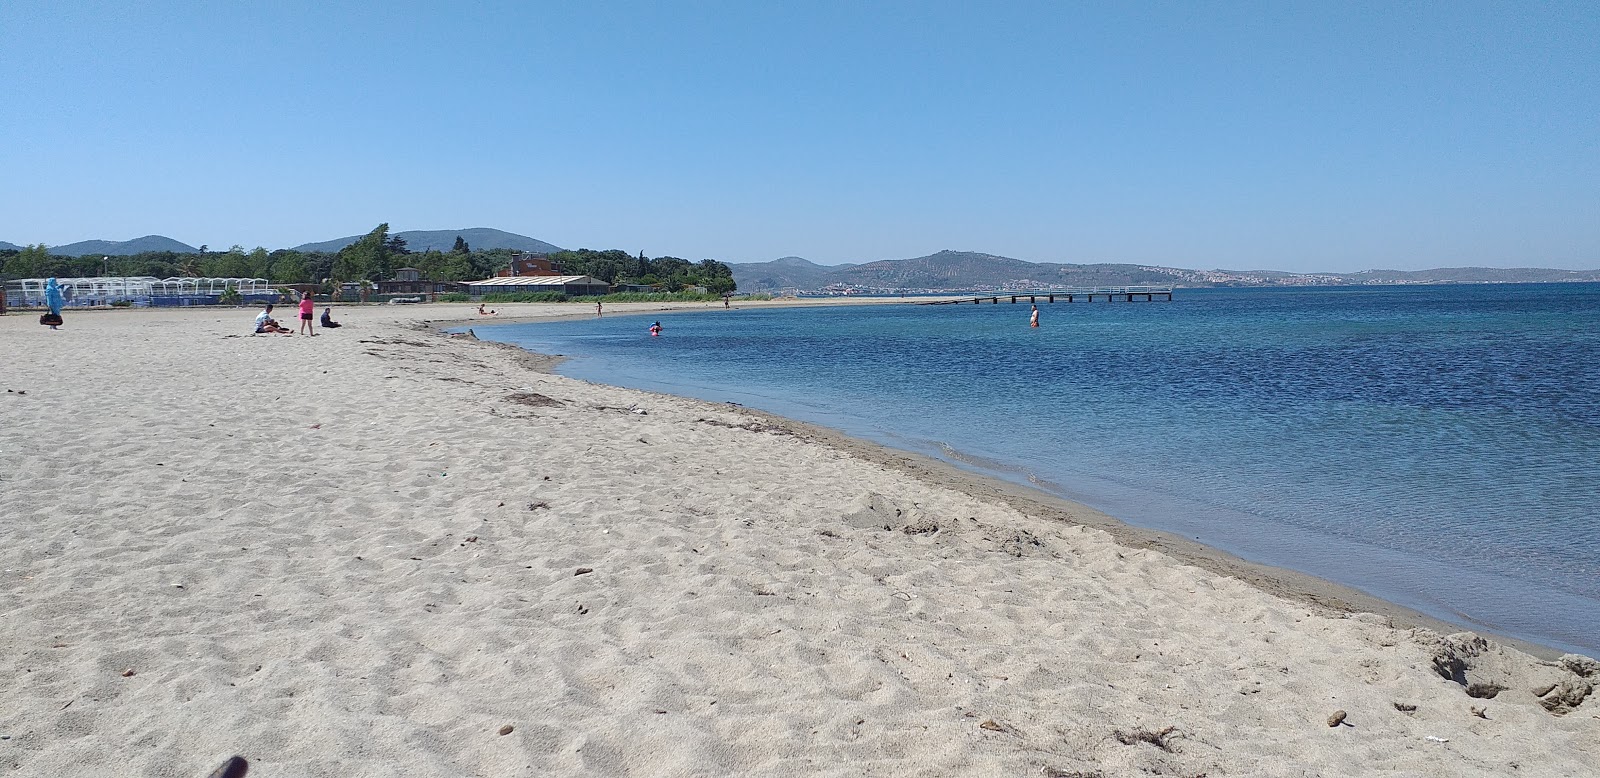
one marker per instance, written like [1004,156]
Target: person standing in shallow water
[1033,319]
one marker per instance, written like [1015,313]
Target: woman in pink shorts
[307,308]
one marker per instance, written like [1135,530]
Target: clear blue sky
[1286,135]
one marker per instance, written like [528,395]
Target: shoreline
[1279,581]
[386,548]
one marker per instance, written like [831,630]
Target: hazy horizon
[1294,137]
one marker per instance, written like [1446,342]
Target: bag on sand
[53,319]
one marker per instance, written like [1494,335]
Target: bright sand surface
[384,551]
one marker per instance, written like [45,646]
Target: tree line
[373,257]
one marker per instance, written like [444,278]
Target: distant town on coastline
[461,255]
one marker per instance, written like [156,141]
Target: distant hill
[118,248]
[969,271]
[944,271]
[784,273]
[479,238]
[1473,275]
[4,246]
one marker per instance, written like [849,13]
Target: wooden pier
[1109,294]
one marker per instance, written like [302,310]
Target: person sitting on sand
[482,312]
[265,324]
[327,319]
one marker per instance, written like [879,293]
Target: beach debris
[128,673]
[1020,543]
[534,399]
[751,426]
[1432,739]
[18,392]
[1157,738]
[1580,665]
[1482,713]
[638,411]
[1565,696]
[533,506]
[1405,707]
[1337,718]
[995,726]
[1055,772]
[646,442]
[922,526]
[583,571]
[507,729]
[582,609]
[234,767]
[1450,658]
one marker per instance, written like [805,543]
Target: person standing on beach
[307,310]
[1033,319]
[54,300]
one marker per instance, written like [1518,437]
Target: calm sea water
[1435,446]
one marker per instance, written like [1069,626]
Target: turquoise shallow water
[1434,446]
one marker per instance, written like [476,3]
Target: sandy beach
[387,551]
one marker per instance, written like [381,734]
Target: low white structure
[572,286]
[138,290]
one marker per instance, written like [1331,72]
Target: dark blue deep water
[1435,446]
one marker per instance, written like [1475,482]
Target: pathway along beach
[388,551]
